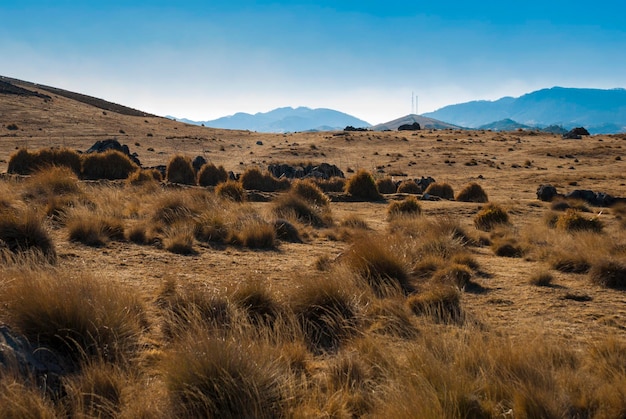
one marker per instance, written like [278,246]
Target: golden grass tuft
[573,220]
[454,274]
[334,184]
[410,187]
[386,185]
[541,278]
[96,391]
[363,186]
[609,274]
[292,206]
[490,216]
[407,207]
[52,182]
[310,192]
[258,303]
[231,190]
[94,229]
[24,162]
[180,170]
[254,179]
[144,176]
[211,175]
[472,192]
[22,233]
[440,189]
[111,165]
[441,302]
[255,234]
[23,400]
[179,238]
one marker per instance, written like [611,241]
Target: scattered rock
[198,162]
[546,193]
[410,127]
[351,128]
[598,199]
[424,182]
[324,171]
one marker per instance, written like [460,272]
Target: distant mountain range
[425,123]
[286,120]
[600,111]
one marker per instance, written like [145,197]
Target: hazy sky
[202,60]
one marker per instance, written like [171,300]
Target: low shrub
[442,190]
[472,192]
[180,170]
[231,190]
[211,175]
[23,233]
[253,179]
[386,185]
[410,187]
[406,207]
[490,216]
[111,165]
[572,220]
[363,186]
[609,274]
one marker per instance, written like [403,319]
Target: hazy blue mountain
[598,110]
[286,120]
[505,125]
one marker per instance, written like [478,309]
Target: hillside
[600,111]
[286,120]
[425,123]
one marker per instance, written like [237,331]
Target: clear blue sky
[202,60]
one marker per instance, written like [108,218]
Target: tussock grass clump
[212,227]
[472,192]
[257,302]
[455,274]
[376,262]
[406,207]
[173,207]
[52,181]
[93,229]
[327,312]
[144,176]
[569,263]
[310,192]
[77,317]
[410,187]
[609,274]
[390,317]
[21,400]
[23,162]
[210,377]
[573,220]
[96,391]
[356,222]
[180,170]
[212,175]
[506,247]
[490,216]
[23,233]
[179,238]
[363,186]
[440,302]
[231,190]
[255,233]
[111,165]
[541,279]
[253,179]
[293,206]
[440,189]
[286,231]
[334,184]
[386,185]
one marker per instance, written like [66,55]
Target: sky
[202,60]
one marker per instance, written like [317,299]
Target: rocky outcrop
[101,146]
[598,199]
[546,193]
[198,162]
[410,127]
[576,133]
[324,171]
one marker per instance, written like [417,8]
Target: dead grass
[211,175]
[231,190]
[472,192]
[407,207]
[24,233]
[24,162]
[573,220]
[490,216]
[180,170]
[110,165]
[441,189]
[254,179]
[362,186]
[292,205]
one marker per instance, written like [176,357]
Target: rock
[576,133]
[351,128]
[324,171]
[546,193]
[259,142]
[198,162]
[424,182]
[101,146]
[410,127]
[598,199]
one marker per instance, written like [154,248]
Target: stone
[546,193]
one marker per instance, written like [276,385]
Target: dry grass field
[146,298]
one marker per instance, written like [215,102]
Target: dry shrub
[253,179]
[327,312]
[179,238]
[173,207]
[363,186]
[410,187]
[390,317]
[356,222]
[231,190]
[255,233]
[541,279]
[111,165]
[292,206]
[180,170]
[24,162]
[334,184]
[286,231]
[440,302]
[143,176]
[22,233]
[257,302]
[573,220]
[506,247]
[75,316]
[381,266]
[490,216]
[310,192]
[472,192]
[455,274]
[96,392]
[609,274]
[21,400]
[93,229]
[235,380]
[52,181]
[442,190]
[211,175]
[407,207]
[211,227]
[386,185]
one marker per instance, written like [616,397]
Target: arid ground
[508,318]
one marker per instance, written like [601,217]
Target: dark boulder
[101,146]
[351,128]
[198,162]
[546,193]
[410,127]
[598,199]
[576,133]
[424,182]
[324,171]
